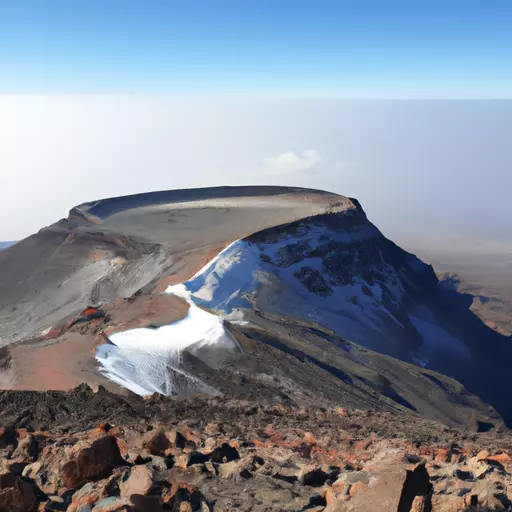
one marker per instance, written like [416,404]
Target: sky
[322,48]
[427,172]
[406,105]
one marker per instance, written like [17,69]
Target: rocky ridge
[211,454]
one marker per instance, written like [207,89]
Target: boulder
[192,475]
[112,504]
[27,449]
[156,442]
[92,463]
[8,437]
[178,495]
[46,471]
[141,503]
[93,492]
[139,480]
[16,495]
[224,453]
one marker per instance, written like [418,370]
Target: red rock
[442,455]
[92,463]
[502,458]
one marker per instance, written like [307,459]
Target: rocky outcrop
[230,455]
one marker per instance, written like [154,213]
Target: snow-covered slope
[337,271]
[147,361]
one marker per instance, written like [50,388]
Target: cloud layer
[291,163]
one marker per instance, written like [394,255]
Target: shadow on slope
[314,366]
[488,372]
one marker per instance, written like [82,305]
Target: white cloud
[290,162]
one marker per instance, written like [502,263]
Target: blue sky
[315,48]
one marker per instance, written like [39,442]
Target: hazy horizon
[426,172]
[110,98]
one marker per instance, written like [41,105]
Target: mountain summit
[284,294]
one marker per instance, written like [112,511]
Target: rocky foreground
[211,454]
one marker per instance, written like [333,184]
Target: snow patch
[149,360]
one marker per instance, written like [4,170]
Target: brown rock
[449,503]
[192,475]
[190,435]
[26,451]
[112,504]
[421,504]
[94,492]
[502,458]
[338,486]
[417,483]
[314,478]
[145,503]
[362,445]
[46,471]
[16,495]
[140,481]
[8,437]
[228,470]
[224,453]
[357,487]
[392,488]
[333,500]
[116,431]
[442,455]
[310,438]
[156,442]
[178,494]
[484,454]
[92,463]
[478,467]
[211,429]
